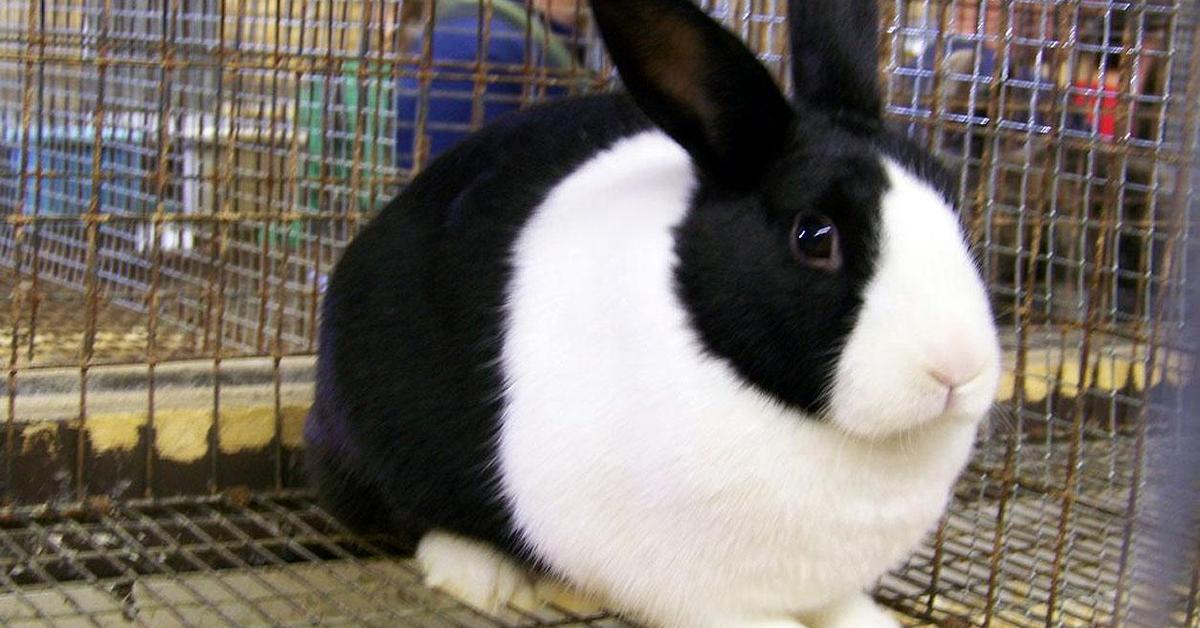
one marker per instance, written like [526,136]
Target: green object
[370,99]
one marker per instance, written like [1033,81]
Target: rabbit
[707,354]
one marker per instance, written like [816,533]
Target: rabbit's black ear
[698,83]
[835,55]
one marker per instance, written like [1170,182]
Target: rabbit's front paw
[857,611]
[475,573]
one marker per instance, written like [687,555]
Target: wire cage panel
[178,178]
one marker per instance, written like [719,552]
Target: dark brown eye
[815,242]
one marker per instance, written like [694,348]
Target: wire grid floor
[278,559]
[231,560]
[260,560]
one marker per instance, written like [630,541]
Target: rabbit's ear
[835,55]
[698,83]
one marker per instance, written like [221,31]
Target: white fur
[474,572]
[645,471]
[925,323]
[853,611]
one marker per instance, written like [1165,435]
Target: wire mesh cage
[177,179]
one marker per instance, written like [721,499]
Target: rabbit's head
[822,257]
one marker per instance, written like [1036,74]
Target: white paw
[857,611]
[475,573]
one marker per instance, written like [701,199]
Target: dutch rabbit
[711,355]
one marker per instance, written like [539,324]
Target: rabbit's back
[401,434]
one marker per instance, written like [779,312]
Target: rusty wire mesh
[178,177]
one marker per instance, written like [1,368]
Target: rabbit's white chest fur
[639,467]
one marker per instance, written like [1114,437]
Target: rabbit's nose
[954,377]
[955,360]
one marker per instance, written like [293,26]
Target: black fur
[778,323]
[699,84]
[835,57]
[401,436]
[408,387]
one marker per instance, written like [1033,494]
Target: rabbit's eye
[815,242]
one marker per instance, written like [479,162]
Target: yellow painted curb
[182,435]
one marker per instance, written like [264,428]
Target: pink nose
[955,361]
[953,379]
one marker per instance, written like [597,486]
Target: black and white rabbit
[711,355]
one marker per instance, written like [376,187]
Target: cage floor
[280,560]
[238,561]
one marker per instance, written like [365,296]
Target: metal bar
[34,565]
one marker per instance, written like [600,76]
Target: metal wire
[217,561]
[177,179]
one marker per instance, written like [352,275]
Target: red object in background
[1108,107]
